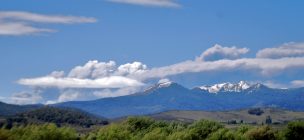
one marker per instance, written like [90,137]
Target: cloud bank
[21,22]
[106,82]
[286,50]
[264,66]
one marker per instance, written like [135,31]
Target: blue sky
[155,33]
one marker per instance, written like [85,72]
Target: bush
[261,133]
[4,134]
[203,128]
[156,134]
[138,124]
[223,134]
[295,130]
[113,132]
[181,135]
[41,132]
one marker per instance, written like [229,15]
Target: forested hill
[59,116]
[9,109]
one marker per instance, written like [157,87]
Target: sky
[63,50]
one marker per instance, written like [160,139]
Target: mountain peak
[226,87]
[159,85]
[165,84]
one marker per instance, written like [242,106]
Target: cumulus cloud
[93,69]
[21,23]
[131,68]
[286,50]
[158,3]
[106,82]
[218,52]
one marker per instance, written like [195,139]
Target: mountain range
[172,96]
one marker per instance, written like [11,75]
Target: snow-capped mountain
[159,85]
[167,95]
[227,87]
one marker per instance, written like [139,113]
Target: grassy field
[278,116]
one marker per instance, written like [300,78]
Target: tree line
[143,128]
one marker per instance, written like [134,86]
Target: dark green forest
[58,116]
[144,128]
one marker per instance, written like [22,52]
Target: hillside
[9,109]
[59,116]
[278,116]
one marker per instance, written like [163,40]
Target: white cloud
[57,74]
[116,92]
[25,98]
[275,84]
[298,83]
[40,18]
[263,65]
[93,75]
[218,52]
[18,28]
[106,82]
[69,96]
[131,68]
[90,81]
[93,69]
[286,50]
[21,23]
[159,3]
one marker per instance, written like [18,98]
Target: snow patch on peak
[243,85]
[164,83]
[227,87]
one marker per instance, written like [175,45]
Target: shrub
[4,134]
[294,130]
[138,124]
[203,128]
[113,132]
[261,133]
[156,134]
[223,134]
[42,132]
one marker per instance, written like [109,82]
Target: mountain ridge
[172,96]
